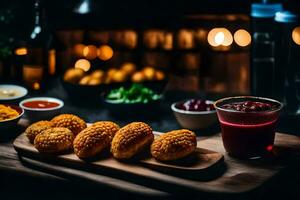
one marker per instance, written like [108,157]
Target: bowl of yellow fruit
[79,83]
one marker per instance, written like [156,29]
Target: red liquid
[246,141]
[40,104]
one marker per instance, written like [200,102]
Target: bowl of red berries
[195,114]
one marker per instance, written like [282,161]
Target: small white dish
[38,113]
[194,120]
[12,92]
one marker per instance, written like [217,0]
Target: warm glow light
[90,52]
[296,35]
[242,37]
[219,37]
[269,148]
[78,50]
[83,64]
[21,51]
[51,61]
[105,52]
[36,86]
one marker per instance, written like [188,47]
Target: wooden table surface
[28,178]
[242,178]
[233,176]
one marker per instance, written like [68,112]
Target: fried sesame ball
[131,139]
[174,145]
[36,128]
[72,122]
[94,139]
[54,140]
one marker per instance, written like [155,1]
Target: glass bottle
[35,63]
[287,46]
[262,49]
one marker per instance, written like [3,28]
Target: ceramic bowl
[194,120]
[124,110]
[10,94]
[36,114]
[10,123]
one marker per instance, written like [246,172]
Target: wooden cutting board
[236,176]
[198,163]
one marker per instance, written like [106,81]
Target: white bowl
[194,120]
[15,91]
[36,114]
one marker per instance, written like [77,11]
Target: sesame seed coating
[94,139]
[70,121]
[174,145]
[54,140]
[36,128]
[131,139]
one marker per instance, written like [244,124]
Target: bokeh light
[21,51]
[105,52]
[36,86]
[78,50]
[83,64]
[90,52]
[242,37]
[219,36]
[296,35]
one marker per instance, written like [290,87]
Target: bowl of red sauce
[248,125]
[195,114]
[41,108]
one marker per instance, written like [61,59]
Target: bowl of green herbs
[136,99]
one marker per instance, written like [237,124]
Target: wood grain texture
[239,176]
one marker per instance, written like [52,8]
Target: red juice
[248,125]
[248,140]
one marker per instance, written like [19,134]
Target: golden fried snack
[72,122]
[131,139]
[92,140]
[6,112]
[54,140]
[174,145]
[36,128]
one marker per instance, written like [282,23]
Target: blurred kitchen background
[188,45]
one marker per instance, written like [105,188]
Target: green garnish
[137,93]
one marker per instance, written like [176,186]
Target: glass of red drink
[248,125]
